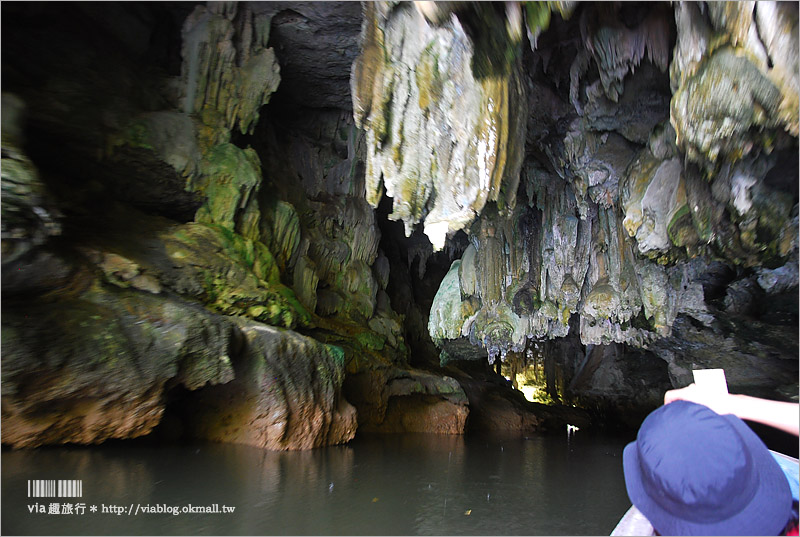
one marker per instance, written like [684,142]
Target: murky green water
[386,485]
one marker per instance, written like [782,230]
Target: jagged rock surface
[103,369]
[408,400]
[639,168]
[734,79]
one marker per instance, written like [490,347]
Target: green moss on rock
[231,175]
[371,340]
[233,275]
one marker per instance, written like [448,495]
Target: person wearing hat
[692,471]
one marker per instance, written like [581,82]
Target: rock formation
[160,245]
[441,140]
[279,223]
[643,167]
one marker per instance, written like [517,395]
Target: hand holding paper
[710,389]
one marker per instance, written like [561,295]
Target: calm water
[385,485]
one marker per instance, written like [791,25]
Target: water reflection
[381,485]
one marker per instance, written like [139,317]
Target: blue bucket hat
[694,472]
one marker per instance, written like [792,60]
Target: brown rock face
[408,401]
[85,417]
[420,414]
[101,370]
[500,415]
[286,395]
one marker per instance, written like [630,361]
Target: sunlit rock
[448,312]
[496,409]
[654,197]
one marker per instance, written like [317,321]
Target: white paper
[711,379]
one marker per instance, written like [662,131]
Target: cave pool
[410,484]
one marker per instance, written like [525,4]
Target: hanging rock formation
[640,167]
[441,139]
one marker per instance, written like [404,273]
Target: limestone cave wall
[183,255]
[652,208]
[278,223]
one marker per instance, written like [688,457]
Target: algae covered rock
[230,274]
[230,183]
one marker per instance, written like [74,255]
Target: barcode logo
[55,488]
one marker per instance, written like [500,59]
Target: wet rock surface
[409,401]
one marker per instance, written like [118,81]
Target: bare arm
[778,414]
